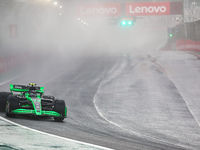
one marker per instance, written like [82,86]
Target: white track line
[163,70]
[48,134]
[137,133]
[12,79]
[178,145]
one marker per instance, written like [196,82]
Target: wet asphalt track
[121,102]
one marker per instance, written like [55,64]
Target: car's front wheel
[59,106]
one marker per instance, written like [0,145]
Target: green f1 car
[31,101]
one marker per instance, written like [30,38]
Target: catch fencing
[187,36]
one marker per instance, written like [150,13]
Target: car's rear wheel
[12,104]
[3,100]
[59,106]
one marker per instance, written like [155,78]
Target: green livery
[31,100]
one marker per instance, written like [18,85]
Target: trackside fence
[188,36]
[185,36]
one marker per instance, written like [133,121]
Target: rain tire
[12,104]
[59,106]
[3,100]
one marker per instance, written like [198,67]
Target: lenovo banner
[99,10]
[148,9]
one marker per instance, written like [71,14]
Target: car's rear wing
[24,88]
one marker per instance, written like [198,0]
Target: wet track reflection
[123,101]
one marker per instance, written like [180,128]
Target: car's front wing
[32,112]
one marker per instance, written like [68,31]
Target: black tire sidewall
[13,102]
[59,106]
[3,100]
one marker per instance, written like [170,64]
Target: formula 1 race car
[31,101]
